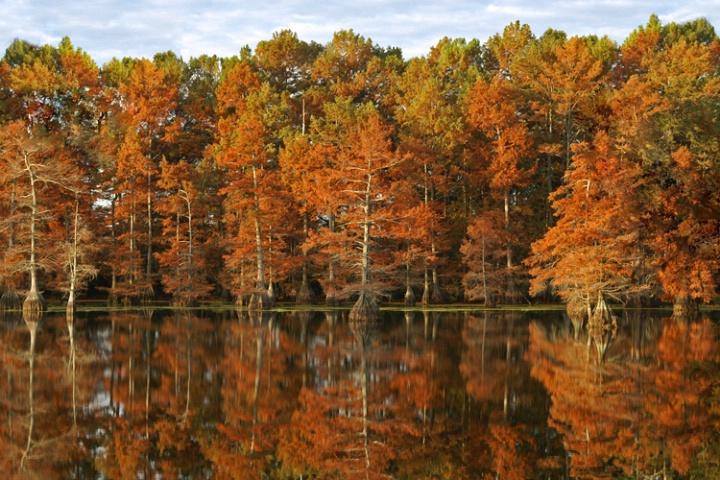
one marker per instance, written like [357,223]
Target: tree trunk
[191,296]
[366,307]
[34,303]
[112,297]
[149,291]
[511,288]
[304,295]
[133,267]
[409,293]
[685,308]
[259,298]
[508,251]
[366,239]
[426,296]
[330,294]
[489,301]
[426,287]
[260,281]
[73,267]
[437,295]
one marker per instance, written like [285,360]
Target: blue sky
[141,28]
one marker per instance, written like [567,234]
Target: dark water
[203,394]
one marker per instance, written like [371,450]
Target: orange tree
[182,261]
[675,149]
[364,175]
[285,63]
[494,110]
[251,118]
[593,250]
[141,124]
[46,133]
[431,123]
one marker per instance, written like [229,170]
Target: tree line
[548,166]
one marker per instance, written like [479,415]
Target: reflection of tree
[589,408]
[675,401]
[293,396]
[128,436]
[182,356]
[255,393]
[622,418]
[415,385]
[430,433]
[486,361]
[495,378]
[511,452]
[339,429]
[33,438]
[32,321]
[83,372]
[418,420]
[156,402]
[72,359]
[13,399]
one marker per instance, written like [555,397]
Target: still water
[219,394]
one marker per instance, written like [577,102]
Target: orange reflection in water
[226,394]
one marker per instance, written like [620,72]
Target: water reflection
[644,414]
[36,429]
[32,319]
[193,394]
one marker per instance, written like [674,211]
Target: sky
[140,28]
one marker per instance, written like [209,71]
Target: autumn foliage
[572,168]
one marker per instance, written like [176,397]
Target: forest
[523,169]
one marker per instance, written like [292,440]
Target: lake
[162,393]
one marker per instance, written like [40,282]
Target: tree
[483,254]
[31,164]
[351,67]
[494,110]
[503,50]
[300,167]
[77,251]
[349,73]
[285,62]
[46,139]
[593,250]
[432,128]
[141,124]
[252,117]
[12,276]
[364,171]
[195,121]
[681,178]
[562,81]
[182,261]
[323,186]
